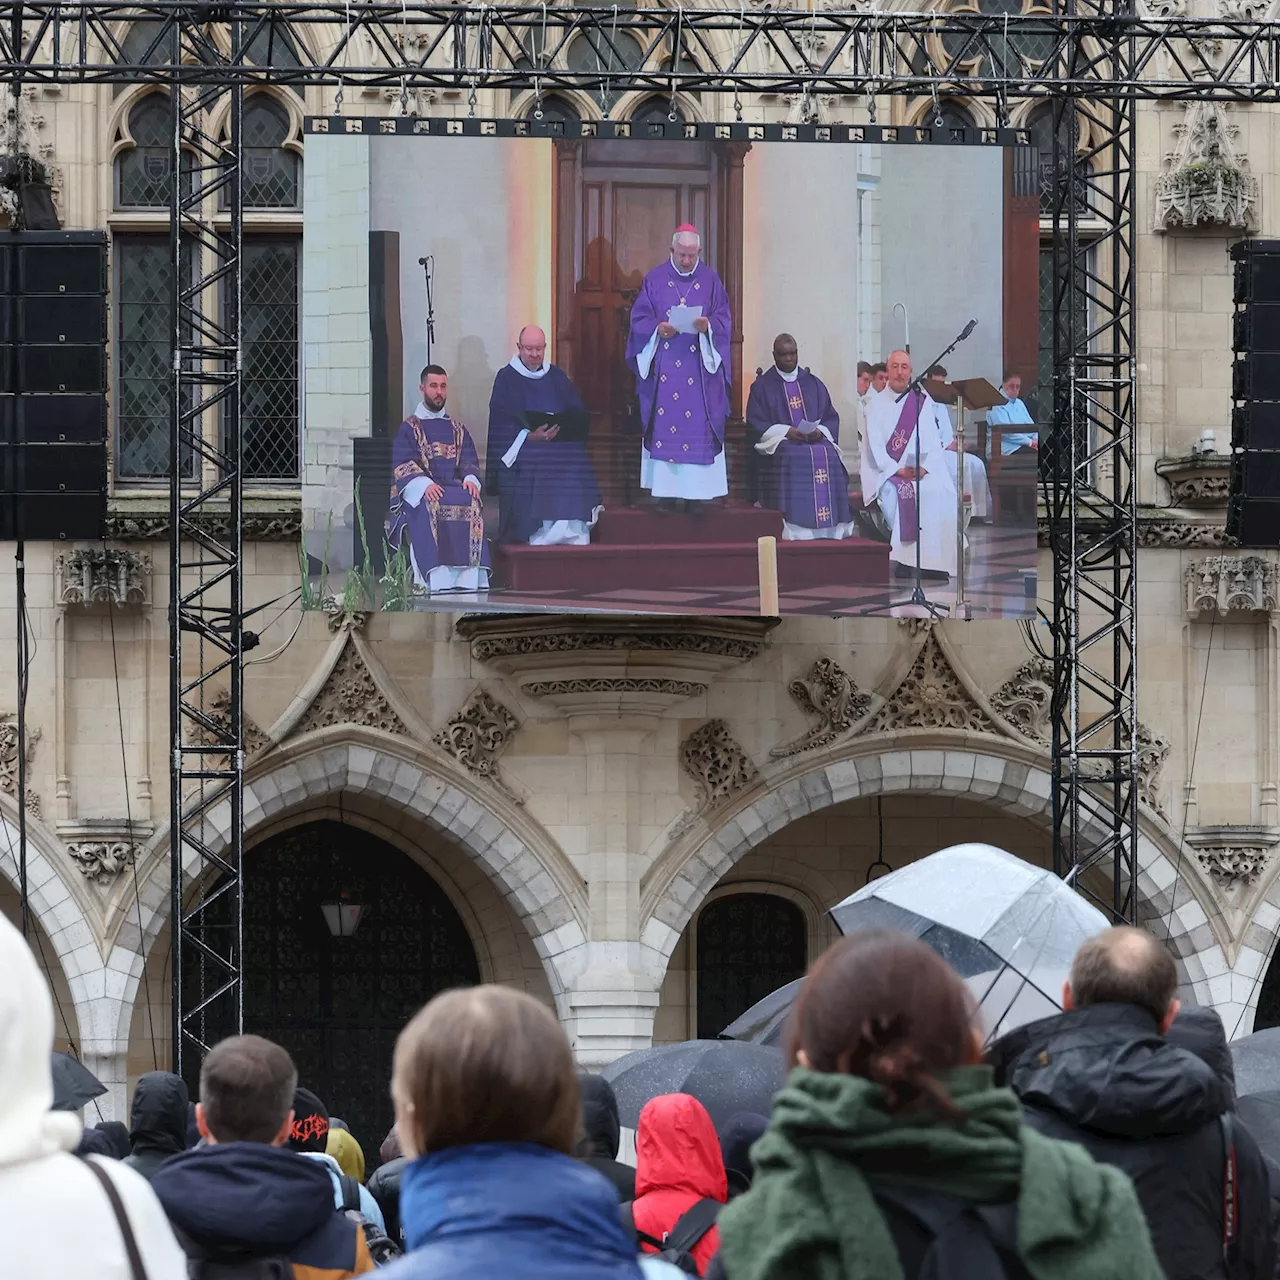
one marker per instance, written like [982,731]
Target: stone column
[613,680]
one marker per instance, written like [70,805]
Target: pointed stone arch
[962,763]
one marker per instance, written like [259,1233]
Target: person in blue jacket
[487,1110]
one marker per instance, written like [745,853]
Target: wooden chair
[1013,478]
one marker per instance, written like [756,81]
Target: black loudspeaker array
[1253,507]
[53,382]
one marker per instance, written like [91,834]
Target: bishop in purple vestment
[547,486]
[796,431]
[435,495]
[682,378]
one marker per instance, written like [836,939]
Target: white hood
[28,1129]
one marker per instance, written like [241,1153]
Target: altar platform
[642,550]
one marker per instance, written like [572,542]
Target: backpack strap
[692,1225]
[122,1218]
[350,1192]
[627,1216]
[1230,1191]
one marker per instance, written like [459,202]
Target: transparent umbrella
[1009,929]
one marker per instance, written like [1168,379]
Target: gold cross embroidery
[824,513]
[820,476]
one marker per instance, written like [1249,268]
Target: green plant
[397,579]
[312,595]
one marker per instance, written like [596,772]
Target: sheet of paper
[683,318]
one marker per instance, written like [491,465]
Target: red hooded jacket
[678,1163]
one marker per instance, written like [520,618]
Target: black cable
[133,845]
[1186,792]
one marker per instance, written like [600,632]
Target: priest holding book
[537,454]
[678,348]
[795,429]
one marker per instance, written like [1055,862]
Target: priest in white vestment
[915,505]
[977,488]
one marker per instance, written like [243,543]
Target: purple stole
[908,511]
[822,504]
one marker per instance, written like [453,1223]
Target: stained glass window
[142,171]
[749,944]
[143,342]
[269,404]
[271,171]
[599,51]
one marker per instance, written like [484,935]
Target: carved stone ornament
[1201,480]
[1229,865]
[1208,182]
[1231,584]
[1156,533]
[1153,750]
[351,696]
[256,742]
[102,860]
[725,638]
[9,761]
[102,575]
[341,619]
[1025,700]
[831,695]
[931,697]
[257,526]
[1176,535]
[476,736]
[712,757]
[1233,855]
[611,685]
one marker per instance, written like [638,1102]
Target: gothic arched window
[1021,43]
[272,171]
[142,170]
[555,107]
[749,944]
[657,111]
[594,52]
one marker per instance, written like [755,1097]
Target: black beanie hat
[310,1130]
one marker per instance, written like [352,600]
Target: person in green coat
[887,1100]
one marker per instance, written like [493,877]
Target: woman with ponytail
[890,1153]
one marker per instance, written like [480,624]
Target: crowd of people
[1100,1143]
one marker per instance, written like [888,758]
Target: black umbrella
[1260,1114]
[766,1020]
[726,1076]
[1257,1062]
[74,1084]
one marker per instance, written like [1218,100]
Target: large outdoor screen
[553,365]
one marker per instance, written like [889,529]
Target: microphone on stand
[968,329]
[428,265]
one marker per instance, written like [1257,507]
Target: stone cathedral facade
[644,820]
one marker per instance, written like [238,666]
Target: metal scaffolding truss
[1096,49]
[206,599]
[1094,61]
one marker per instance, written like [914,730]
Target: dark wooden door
[618,204]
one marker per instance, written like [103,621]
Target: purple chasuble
[808,481]
[682,407]
[908,510]
[450,529]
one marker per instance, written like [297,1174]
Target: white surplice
[935,494]
[975,470]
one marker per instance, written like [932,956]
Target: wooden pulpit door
[618,204]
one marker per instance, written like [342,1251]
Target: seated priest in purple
[435,495]
[547,487]
[682,376]
[796,430]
